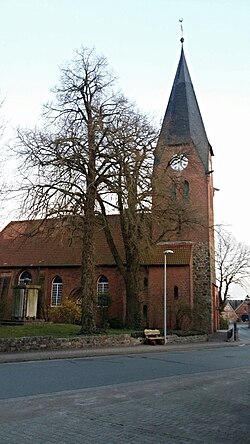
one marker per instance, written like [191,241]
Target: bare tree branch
[232,260]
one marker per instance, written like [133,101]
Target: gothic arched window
[25,278]
[102,285]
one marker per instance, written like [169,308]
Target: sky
[141,41]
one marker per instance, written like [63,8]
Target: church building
[45,268]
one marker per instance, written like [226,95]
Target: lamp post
[165,293]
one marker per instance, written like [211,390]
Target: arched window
[176,293]
[185,189]
[56,292]
[102,285]
[24,278]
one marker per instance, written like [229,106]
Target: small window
[176,293]
[173,191]
[56,292]
[24,278]
[102,285]
[185,189]
[145,282]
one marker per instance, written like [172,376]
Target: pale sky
[141,40]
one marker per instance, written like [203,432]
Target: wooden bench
[153,337]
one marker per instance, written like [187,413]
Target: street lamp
[165,293]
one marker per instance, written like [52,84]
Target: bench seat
[153,337]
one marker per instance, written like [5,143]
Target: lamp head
[168,252]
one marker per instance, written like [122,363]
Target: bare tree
[232,260]
[94,147]
[68,160]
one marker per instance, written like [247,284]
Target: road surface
[179,397]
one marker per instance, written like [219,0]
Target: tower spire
[182,123]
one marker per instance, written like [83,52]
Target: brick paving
[210,408]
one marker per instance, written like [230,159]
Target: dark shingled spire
[182,123]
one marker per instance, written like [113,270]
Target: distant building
[242,311]
[228,313]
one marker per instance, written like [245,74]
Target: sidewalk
[216,341]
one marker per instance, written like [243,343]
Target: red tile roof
[49,243]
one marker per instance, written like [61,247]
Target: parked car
[245,318]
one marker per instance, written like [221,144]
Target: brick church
[44,268]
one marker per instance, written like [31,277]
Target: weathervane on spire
[182,39]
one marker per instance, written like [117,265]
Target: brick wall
[177,276]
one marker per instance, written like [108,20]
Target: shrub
[183,315]
[223,323]
[67,313]
[2,309]
[115,323]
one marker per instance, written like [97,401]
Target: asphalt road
[36,377]
[46,377]
[243,331]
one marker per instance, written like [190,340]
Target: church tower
[183,193]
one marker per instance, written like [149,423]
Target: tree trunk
[89,293]
[133,314]
[88,318]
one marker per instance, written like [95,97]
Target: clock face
[179,162]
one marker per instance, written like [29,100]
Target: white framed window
[56,292]
[102,285]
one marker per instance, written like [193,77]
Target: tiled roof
[49,243]
[182,254]
[28,243]
[242,308]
